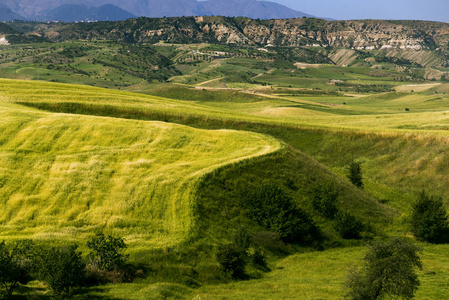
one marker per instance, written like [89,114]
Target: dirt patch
[300,65]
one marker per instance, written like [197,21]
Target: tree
[15,265]
[273,209]
[232,260]
[389,271]
[429,219]
[348,226]
[324,200]
[242,238]
[106,252]
[355,174]
[62,269]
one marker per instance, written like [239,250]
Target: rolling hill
[196,117]
[129,177]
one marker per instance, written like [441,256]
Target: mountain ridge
[358,35]
[419,43]
[41,9]
[82,12]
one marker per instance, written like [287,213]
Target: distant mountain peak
[6,14]
[252,9]
[83,12]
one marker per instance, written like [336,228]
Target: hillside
[361,35]
[106,172]
[170,137]
[402,42]
[414,158]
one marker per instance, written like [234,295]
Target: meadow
[163,159]
[132,178]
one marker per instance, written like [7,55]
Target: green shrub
[16,265]
[242,238]
[258,258]
[324,198]
[106,252]
[388,272]
[355,174]
[348,226]
[232,260]
[62,268]
[273,209]
[429,219]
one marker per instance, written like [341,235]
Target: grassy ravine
[395,164]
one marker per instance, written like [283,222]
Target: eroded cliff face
[360,35]
[357,35]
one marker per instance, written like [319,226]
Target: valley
[166,139]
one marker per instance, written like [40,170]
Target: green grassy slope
[295,173]
[396,162]
[64,176]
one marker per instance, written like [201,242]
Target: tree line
[61,268]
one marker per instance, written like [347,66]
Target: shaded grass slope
[221,196]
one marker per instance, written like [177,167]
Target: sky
[432,10]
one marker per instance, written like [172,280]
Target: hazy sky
[435,10]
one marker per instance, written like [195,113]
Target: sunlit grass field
[385,112]
[65,176]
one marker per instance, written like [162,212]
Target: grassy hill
[66,176]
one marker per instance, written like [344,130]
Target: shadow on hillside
[41,292]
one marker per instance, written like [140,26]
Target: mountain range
[103,10]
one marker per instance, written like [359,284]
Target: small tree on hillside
[348,226]
[355,174]
[429,219]
[273,209]
[62,269]
[106,252]
[389,271]
[232,260]
[16,265]
[324,200]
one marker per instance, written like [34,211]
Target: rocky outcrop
[355,35]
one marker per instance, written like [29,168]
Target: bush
[62,269]
[324,198]
[388,272]
[273,209]
[232,260]
[429,219]
[348,226]
[355,174]
[258,258]
[106,252]
[16,265]
[242,238]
